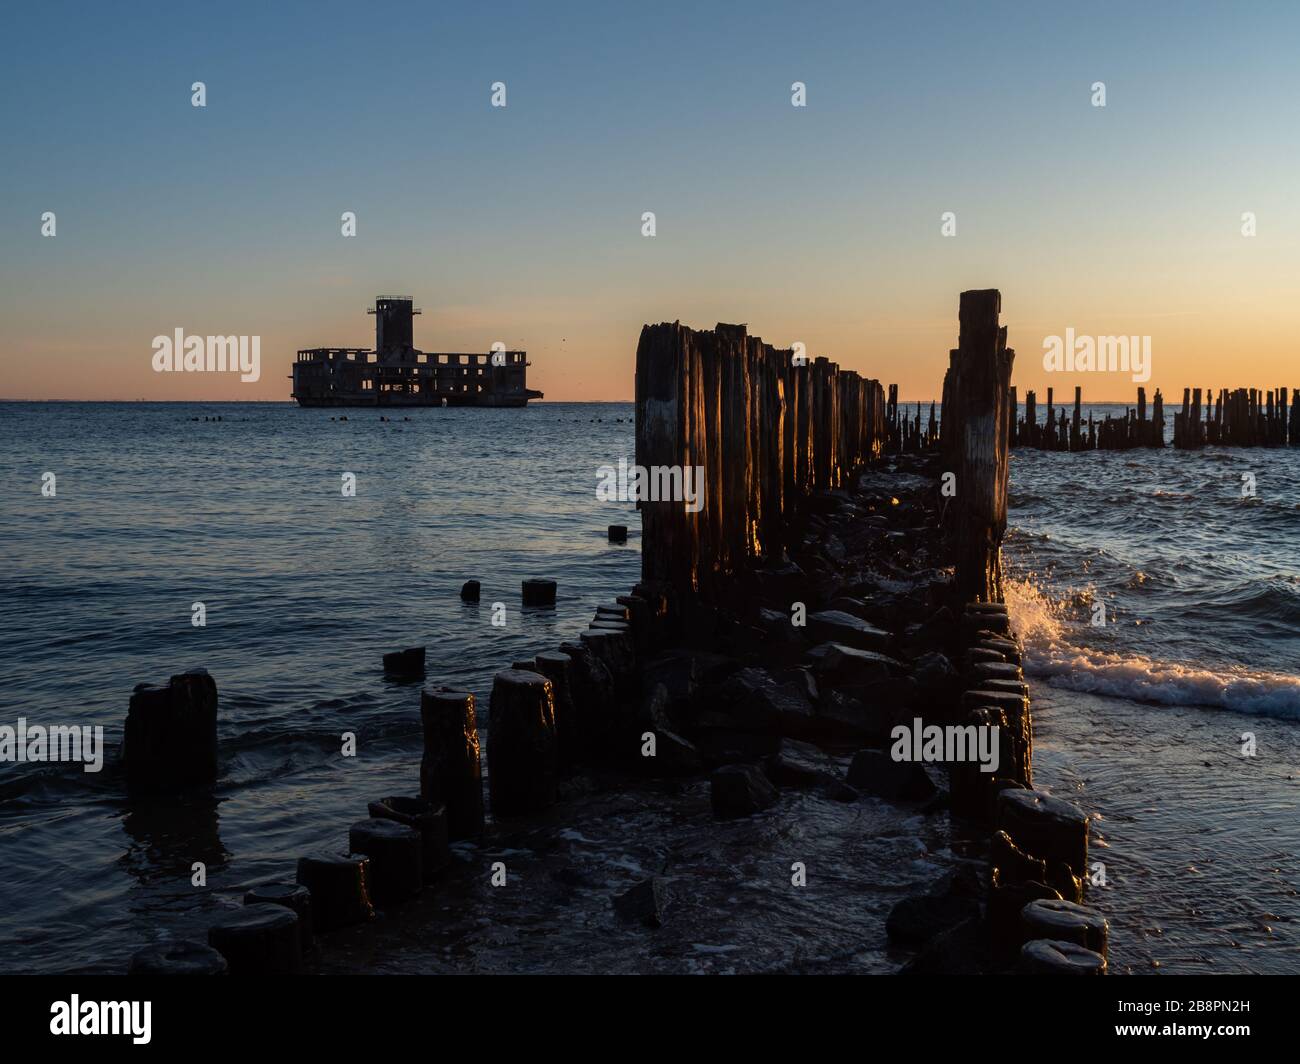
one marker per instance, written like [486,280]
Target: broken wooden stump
[396,854]
[470,591]
[522,752]
[538,592]
[408,663]
[450,772]
[618,533]
[1046,827]
[427,817]
[178,958]
[1043,957]
[340,889]
[169,742]
[259,940]
[1064,921]
[293,896]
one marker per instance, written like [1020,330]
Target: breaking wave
[1045,627]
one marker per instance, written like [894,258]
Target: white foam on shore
[1049,654]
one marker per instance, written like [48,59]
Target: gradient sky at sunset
[523,224]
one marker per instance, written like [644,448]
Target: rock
[1064,921]
[1045,827]
[918,919]
[178,958]
[784,707]
[169,742]
[960,950]
[643,904]
[876,773]
[258,940]
[538,592]
[730,746]
[740,790]
[934,674]
[835,626]
[405,663]
[1043,957]
[781,582]
[839,791]
[799,764]
[842,716]
[838,663]
[674,756]
[469,591]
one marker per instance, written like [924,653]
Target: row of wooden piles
[1245,417]
[767,433]
[906,434]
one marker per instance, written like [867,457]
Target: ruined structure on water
[1240,418]
[396,373]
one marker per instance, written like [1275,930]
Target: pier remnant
[522,753]
[405,663]
[427,817]
[976,423]
[293,896]
[178,958]
[450,771]
[170,739]
[396,854]
[259,939]
[765,429]
[469,591]
[539,592]
[340,889]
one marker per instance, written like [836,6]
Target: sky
[522,224]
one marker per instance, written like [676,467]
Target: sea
[1171,714]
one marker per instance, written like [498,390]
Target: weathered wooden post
[522,756]
[169,742]
[450,772]
[981,383]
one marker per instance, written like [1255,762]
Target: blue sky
[818,224]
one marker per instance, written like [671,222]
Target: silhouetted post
[522,756]
[979,387]
[169,742]
[450,772]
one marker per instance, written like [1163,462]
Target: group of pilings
[906,434]
[765,430]
[1245,417]
[977,412]
[548,716]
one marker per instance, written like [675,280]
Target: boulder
[643,904]
[876,773]
[739,791]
